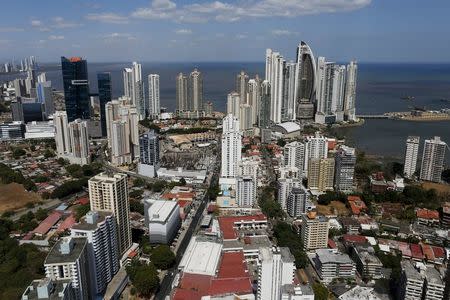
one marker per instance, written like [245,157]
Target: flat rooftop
[202,256]
[56,257]
[56,287]
[160,210]
[84,225]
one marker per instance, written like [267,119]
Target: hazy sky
[227,30]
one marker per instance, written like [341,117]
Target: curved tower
[305,80]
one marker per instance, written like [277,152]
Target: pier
[384,116]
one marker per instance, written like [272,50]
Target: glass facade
[104,96]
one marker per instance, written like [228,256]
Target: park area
[334,208]
[14,196]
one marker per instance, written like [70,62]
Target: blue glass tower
[104,96]
[76,88]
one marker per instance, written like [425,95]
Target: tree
[18,153]
[81,211]
[49,153]
[74,170]
[143,277]
[446,175]
[158,186]
[281,142]
[320,291]
[182,181]
[136,194]
[136,206]
[162,257]
[138,182]
[41,214]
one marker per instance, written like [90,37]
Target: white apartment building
[231,146]
[314,232]
[330,264]
[411,155]
[245,191]
[411,282]
[345,161]
[433,159]
[295,155]
[298,202]
[274,75]
[154,108]
[285,186]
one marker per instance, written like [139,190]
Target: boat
[407,97]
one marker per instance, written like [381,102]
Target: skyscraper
[345,169]
[62,138]
[45,96]
[433,159]
[195,90]
[321,174]
[264,108]
[133,87]
[182,92]
[245,117]
[285,186]
[411,154]
[149,154]
[298,202]
[102,247]
[104,96]
[294,156]
[350,92]
[76,87]
[274,74]
[241,86]
[79,142]
[231,146]
[245,191]
[154,108]
[109,193]
[254,97]
[306,74]
[233,103]
[127,74]
[288,100]
[314,231]
[316,147]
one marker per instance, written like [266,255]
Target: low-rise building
[331,264]
[427,217]
[47,289]
[368,265]
[163,220]
[411,282]
[351,225]
[434,285]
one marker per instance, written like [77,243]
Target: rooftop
[227,224]
[77,247]
[410,271]
[424,213]
[160,210]
[433,276]
[327,256]
[45,289]
[86,223]
[47,223]
[361,293]
[202,256]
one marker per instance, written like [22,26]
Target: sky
[226,30]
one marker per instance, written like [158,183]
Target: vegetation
[136,194]
[19,265]
[18,153]
[143,277]
[187,130]
[69,188]
[81,210]
[162,257]
[148,123]
[446,175]
[269,206]
[77,171]
[41,214]
[49,153]
[286,237]
[213,191]
[136,206]
[281,142]
[329,196]
[7,175]
[320,291]
[40,178]
[138,182]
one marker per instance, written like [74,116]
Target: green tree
[138,182]
[143,277]
[162,257]
[136,194]
[136,206]
[49,153]
[41,214]
[182,181]
[320,291]
[81,211]
[158,186]
[18,153]
[74,170]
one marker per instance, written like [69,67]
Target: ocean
[379,89]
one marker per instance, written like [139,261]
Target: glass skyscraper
[104,96]
[76,88]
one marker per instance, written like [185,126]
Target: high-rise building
[294,155]
[411,154]
[274,75]
[46,288]
[182,92]
[42,77]
[321,174]
[241,86]
[433,159]
[434,285]
[276,268]
[109,193]
[79,142]
[102,247]
[264,108]
[233,104]
[350,92]
[104,96]
[245,117]
[44,95]
[68,260]
[411,284]
[298,202]
[245,191]
[134,88]
[127,74]
[316,147]
[76,87]
[314,231]
[19,87]
[288,111]
[209,110]
[254,97]
[154,108]
[149,154]
[231,146]
[62,138]
[345,169]
[285,186]
[195,90]
[122,131]
[306,75]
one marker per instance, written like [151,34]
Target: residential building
[297,292]
[44,95]
[350,92]
[305,89]
[276,268]
[285,186]
[434,285]
[264,107]
[12,131]
[241,86]
[245,117]
[79,143]
[254,97]
[433,159]
[182,92]
[298,202]
[195,90]
[62,137]
[345,159]
[289,94]
[162,217]
[47,288]
[76,88]
[411,154]
[330,264]
[295,155]
[109,193]
[321,174]
[154,108]
[274,75]
[411,282]
[104,96]
[102,247]
[368,265]
[231,146]
[316,147]
[149,154]
[68,260]
[245,191]
[314,231]
[233,103]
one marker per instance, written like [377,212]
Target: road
[49,205]
[166,283]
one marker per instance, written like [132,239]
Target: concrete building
[68,260]
[149,154]
[305,89]
[245,191]
[40,130]
[12,131]
[79,143]
[296,292]
[411,282]
[245,117]
[254,98]
[181,92]
[62,137]
[102,246]
[316,147]
[274,76]
[109,193]
[202,256]
[295,156]
[231,146]
[298,202]
[411,155]
[330,264]
[433,159]
[195,91]
[264,121]
[276,268]
[134,88]
[233,104]
[288,102]
[241,86]
[350,92]
[47,288]
[154,108]
[434,285]
[368,265]
[285,186]
[321,174]
[314,231]
[345,159]
[162,217]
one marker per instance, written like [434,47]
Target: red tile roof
[416,251]
[356,204]
[232,265]
[237,286]
[67,223]
[424,213]
[83,201]
[46,224]
[181,294]
[227,224]
[196,282]
[439,252]
[354,238]
[183,203]
[427,251]
[331,244]
[180,195]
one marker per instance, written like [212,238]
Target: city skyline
[156,30]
